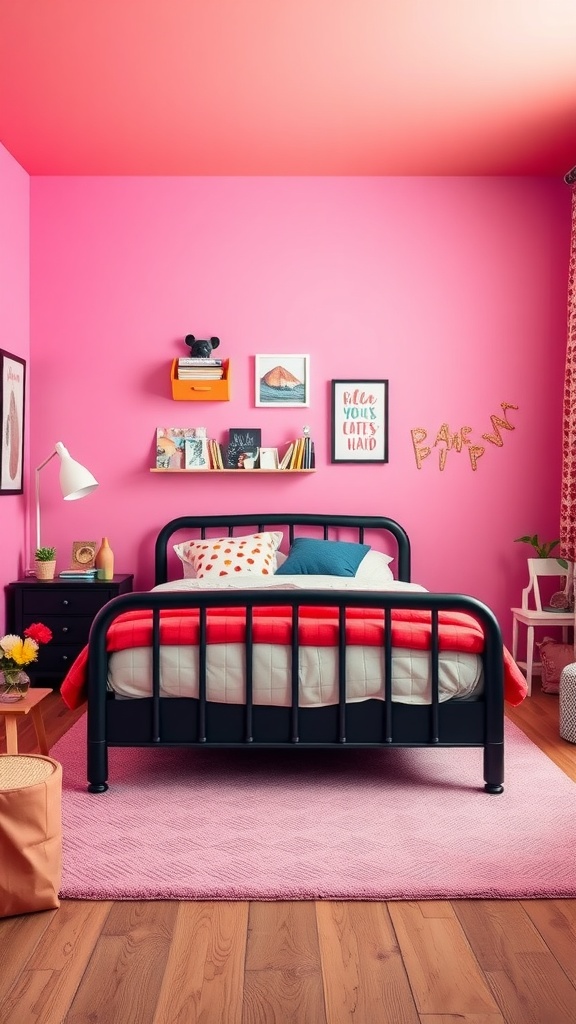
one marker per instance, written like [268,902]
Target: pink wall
[453,289]
[14,334]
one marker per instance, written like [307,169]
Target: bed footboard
[168,721]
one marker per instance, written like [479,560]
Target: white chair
[533,615]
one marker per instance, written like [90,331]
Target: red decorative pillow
[554,657]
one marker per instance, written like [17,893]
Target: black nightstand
[67,608]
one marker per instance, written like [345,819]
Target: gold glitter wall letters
[460,441]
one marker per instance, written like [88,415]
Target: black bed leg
[97,766]
[494,767]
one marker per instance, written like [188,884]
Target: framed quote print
[359,421]
[12,393]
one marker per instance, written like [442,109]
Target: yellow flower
[24,651]
[17,652]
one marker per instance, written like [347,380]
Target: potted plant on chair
[564,599]
[543,549]
[553,608]
[45,563]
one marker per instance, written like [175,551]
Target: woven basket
[45,570]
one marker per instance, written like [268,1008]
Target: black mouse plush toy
[201,349]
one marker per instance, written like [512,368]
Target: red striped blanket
[411,629]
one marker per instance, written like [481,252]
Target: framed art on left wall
[12,396]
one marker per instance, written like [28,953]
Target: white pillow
[228,556]
[374,568]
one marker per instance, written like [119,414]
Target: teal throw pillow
[309,557]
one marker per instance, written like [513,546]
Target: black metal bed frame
[185,721]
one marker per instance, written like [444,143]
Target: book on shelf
[297,454]
[216,461]
[78,574]
[200,369]
[243,447]
[203,375]
[285,460]
[199,361]
[308,456]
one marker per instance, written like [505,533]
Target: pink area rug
[297,825]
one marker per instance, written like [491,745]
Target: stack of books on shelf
[78,574]
[216,455]
[299,454]
[196,368]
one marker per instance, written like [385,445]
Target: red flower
[38,632]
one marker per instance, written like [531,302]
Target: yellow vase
[104,561]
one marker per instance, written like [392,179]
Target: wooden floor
[436,962]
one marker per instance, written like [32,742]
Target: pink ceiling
[164,87]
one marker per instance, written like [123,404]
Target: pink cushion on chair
[554,657]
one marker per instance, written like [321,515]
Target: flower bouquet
[15,653]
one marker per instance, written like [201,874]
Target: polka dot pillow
[229,556]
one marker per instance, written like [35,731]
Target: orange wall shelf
[200,390]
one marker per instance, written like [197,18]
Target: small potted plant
[45,563]
[542,549]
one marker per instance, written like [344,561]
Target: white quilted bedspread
[130,670]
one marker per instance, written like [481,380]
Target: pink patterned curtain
[568,497]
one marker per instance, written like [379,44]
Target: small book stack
[78,574]
[196,368]
[216,457]
[299,454]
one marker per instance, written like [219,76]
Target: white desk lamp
[75,480]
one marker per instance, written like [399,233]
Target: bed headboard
[380,532]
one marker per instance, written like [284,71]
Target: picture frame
[282,381]
[12,416]
[83,554]
[269,458]
[243,448]
[359,420]
[196,454]
[171,445]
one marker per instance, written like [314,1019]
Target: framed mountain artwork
[282,380]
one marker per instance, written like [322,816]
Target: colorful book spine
[285,461]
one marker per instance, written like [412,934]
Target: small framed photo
[269,458]
[12,397]
[282,380]
[196,454]
[359,421]
[243,450]
[83,554]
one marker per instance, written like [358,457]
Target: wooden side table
[11,711]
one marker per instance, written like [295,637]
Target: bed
[292,631]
